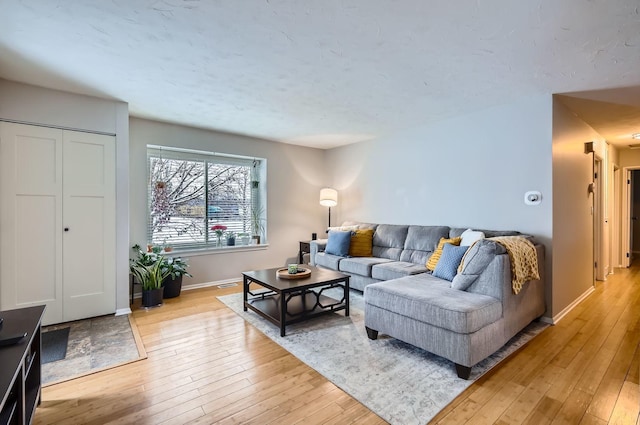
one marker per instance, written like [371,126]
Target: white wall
[36,105]
[470,171]
[573,239]
[32,104]
[629,158]
[294,177]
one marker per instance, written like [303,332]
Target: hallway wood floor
[206,365]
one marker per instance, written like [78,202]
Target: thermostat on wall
[533,197]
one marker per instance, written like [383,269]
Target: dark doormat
[54,345]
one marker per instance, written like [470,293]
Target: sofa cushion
[338,243]
[435,257]
[428,299]
[457,231]
[342,228]
[475,261]
[361,265]
[421,242]
[361,243]
[470,236]
[396,269]
[359,225]
[388,241]
[328,261]
[447,267]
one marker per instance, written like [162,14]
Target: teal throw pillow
[338,243]
[447,267]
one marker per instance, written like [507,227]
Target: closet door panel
[89,214]
[37,170]
[31,218]
[35,273]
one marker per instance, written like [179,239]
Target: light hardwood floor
[206,365]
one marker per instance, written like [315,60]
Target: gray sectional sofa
[465,320]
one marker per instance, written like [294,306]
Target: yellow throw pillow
[435,257]
[361,243]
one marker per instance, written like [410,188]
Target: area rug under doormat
[94,344]
[54,345]
[400,383]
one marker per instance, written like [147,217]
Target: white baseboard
[570,307]
[137,295]
[123,311]
[208,284]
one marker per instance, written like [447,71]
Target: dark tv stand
[20,373]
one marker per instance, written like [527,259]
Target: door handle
[66,229]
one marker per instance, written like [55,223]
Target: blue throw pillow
[338,243]
[447,267]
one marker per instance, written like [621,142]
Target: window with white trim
[204,199]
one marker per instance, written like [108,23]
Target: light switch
[533,197]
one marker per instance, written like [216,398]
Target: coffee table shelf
[301,301]
[296,310]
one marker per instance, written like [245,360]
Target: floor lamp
[328,198]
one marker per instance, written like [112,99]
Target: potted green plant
[231,238]
[148,269]
[166,246]
[176,269]
[257,224]
[243,238]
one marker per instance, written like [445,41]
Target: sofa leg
[463,371]
[372,334]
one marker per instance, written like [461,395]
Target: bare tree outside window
[177,200]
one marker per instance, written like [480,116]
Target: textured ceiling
[321,73]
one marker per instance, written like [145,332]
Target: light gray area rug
[399,382]
[94,344]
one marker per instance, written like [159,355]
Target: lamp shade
[328,197]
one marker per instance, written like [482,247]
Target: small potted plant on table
[219,230]
[257,224]
[243,238]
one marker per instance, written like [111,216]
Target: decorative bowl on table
[301,273]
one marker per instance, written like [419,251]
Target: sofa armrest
[316,246]
[527,305]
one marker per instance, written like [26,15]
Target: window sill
[194,252]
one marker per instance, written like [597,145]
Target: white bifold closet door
[57,221]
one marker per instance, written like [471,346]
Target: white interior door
[615,258]
[31,219]
[598,231]
[89,225]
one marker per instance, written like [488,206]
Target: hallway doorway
[631,224]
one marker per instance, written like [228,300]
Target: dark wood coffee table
[287,301]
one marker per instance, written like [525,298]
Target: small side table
[305,248]
[132,285]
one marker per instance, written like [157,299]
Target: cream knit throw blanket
[524,260]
